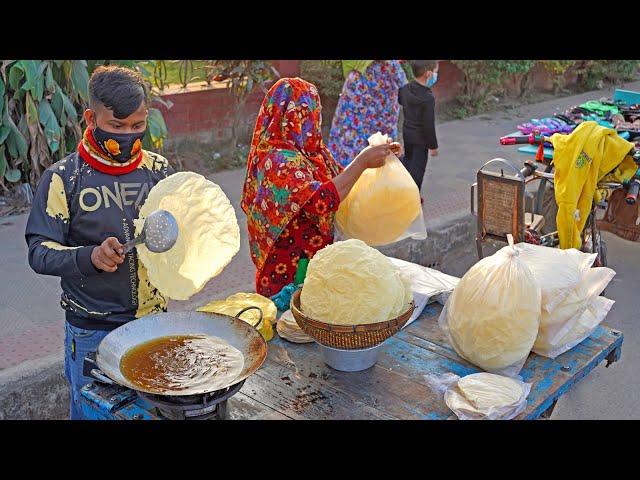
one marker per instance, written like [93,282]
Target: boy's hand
[108,256]
[433,152]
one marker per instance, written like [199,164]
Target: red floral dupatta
[287,163]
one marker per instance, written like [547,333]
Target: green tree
[558,68]
[482,78]
[41,107]
[592,72]
[242,76]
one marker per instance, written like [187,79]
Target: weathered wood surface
[295,383]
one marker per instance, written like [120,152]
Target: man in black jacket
[83,211]
[419,127]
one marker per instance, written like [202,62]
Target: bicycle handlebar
[515,140]
[533,139]
[530,139]
[528,169]
[634,189]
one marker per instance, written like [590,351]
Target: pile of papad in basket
[351,283]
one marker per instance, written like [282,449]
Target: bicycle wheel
[546,203]
[602,257]
[593,241]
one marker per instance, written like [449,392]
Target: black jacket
[75,208]
[418,105]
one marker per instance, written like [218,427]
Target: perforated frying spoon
[159,233]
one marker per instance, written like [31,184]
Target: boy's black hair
[119,89]
[421,66]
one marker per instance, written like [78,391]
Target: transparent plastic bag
[587,322]
[558,271]
[555,325]
[465,408]
[383,205]
[427,284]
[493,315]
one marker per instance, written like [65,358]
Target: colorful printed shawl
[368,104]
[287,163]
[360,65]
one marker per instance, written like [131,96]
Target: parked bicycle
[502,202]
[545,208]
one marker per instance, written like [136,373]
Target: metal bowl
[350,360]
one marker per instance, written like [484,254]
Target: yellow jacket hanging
[581,159]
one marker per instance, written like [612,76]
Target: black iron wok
[236,332]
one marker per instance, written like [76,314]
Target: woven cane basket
[348,337]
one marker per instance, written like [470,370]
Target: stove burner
[105,399]
[212,405]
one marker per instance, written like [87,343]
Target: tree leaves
[80,78]
[50,123]
[41,105]
[15,75]
[4,133]
[141,66]
[2,90]
[49,82]
[21,142]
[71,111]
[3,162]
[57,103]
[30,68]
[13,175]
[16,142]
[157,129]
[32,111]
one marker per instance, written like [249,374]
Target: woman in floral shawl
[368,104]
[293,185]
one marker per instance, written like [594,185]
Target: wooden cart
[294,382]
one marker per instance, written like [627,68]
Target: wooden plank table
[295,383]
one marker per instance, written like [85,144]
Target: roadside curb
[444,235]
[35,390]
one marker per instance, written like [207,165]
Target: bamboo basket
[348,337]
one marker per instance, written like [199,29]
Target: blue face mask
[432,81]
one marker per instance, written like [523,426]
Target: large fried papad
[208,236]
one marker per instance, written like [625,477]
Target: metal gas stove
[106,400]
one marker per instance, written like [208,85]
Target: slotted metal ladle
[159,233]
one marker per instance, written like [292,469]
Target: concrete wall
[210,109]
[204,109]
[201,109]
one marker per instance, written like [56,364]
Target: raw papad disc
[487,390]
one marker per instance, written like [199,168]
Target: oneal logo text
[122,194]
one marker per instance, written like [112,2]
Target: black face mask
[119,146]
